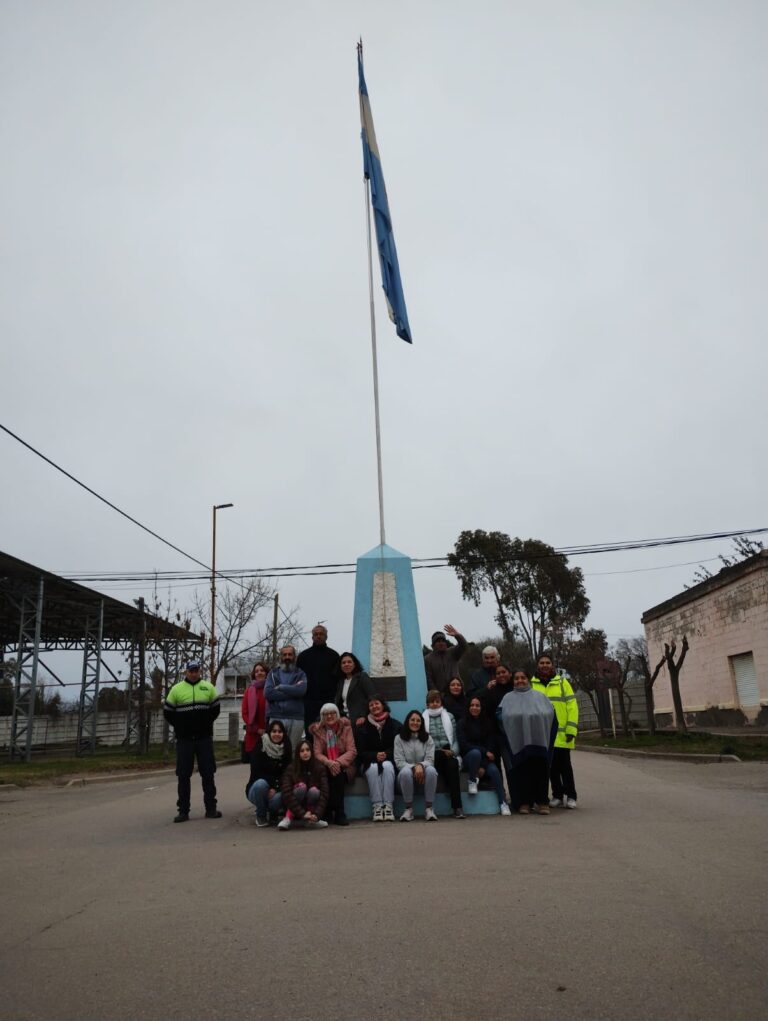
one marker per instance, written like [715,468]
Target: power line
[98,496]
[311,570]
[419,563]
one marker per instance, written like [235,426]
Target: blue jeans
[473,760]
[257,796]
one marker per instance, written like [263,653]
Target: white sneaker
[504,808]
[407,815]
[570,802]
[389,815]
[430,816]
[557,803]
[378,813]
[319,825]
[472,787]
[284,824]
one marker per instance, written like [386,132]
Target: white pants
[381,783]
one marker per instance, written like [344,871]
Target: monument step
[357,803]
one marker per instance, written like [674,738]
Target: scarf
[332,750]
[274,751]
[252,697]
[378,722]
[447,721]
[526,717]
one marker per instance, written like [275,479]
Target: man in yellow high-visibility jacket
[559,691]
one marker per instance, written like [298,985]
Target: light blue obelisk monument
[385,632]
[385,635]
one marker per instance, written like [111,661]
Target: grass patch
[49,769]
[747,748]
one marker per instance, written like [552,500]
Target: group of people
[315,721]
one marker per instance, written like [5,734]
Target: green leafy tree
[539,598]
[112,699]
[514,654]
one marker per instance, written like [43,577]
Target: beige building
[724,679]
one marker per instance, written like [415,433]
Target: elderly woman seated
[334,747]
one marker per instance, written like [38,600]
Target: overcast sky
[579,198]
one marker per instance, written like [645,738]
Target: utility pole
[274,633]
[142,679]
[216,507]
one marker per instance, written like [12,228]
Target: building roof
[727,576]
[67,606]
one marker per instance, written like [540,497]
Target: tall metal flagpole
[367,188]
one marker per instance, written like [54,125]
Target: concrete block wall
[727,621]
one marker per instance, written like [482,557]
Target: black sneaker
[212,813]
[340,819]
[182,817]
[458,814]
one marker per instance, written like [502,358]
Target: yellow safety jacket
[560,693]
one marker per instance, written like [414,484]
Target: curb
[83,781]
[630,753]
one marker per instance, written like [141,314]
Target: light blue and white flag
[385,240]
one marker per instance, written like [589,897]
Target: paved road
[648,902]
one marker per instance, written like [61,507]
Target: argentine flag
[385,240]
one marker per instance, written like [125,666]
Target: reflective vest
[560,693]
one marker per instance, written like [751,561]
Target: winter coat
[456,705]
[442,667]
[369,741]
[478,732]
[191,709]
[314,777]
[478,679]
[345,745]
[560,693]
[491,698]
[254,730]
[321,665]
[361,689]
[264,767]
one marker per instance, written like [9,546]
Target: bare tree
[632,655]
[649,679]
[743,549]
[238,628]
[674,679]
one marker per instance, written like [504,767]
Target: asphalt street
[649,901]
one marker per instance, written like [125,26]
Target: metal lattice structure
[43,612]
[132,717]
[25,683]
[89,690]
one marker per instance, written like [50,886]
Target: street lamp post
[216,507]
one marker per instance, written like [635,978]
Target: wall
[725,621]
[588,717]
[110,731]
